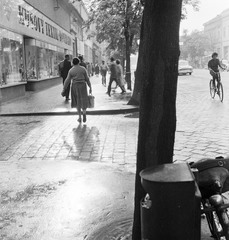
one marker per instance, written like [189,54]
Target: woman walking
[79,77]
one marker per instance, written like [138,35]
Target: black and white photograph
[114,120]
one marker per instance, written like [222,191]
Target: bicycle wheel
[224,221]
[214,225]
[220,92]
[212,88]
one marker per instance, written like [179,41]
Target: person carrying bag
[79,77]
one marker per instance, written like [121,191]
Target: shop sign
[23,18]
[32,21]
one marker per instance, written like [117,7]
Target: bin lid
[168,173]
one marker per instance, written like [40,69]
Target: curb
[96,112]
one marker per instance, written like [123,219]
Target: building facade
[34,37]
[217,29]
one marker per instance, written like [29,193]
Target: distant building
[217,30]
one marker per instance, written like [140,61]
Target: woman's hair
[118,61]
[214,54]
[75,61]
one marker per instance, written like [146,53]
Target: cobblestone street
[110,139]
[39,155]
[202,122]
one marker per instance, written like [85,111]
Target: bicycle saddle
[213,177]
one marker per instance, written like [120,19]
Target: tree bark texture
[135,98]
[128,44]
[159,54]
[128,71]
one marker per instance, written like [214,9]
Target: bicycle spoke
[220,92]
[212,89]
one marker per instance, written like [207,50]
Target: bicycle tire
[214,225]
[220,92]
[224,221]
[212,89]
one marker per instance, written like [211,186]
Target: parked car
[225,63]
[184,67]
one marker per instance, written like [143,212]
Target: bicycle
[218,89]
[212,181]
[217,217]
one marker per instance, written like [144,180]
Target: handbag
[64,93]
[91,101]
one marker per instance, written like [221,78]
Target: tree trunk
[135,98]
[128,44]
[128,71]
[159,50]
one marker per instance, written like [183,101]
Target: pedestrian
[89,69]
[97,69]
[113,76]
[64,68]
[103,71]
[79,77]
[92,69]
[82,63]
[120,78]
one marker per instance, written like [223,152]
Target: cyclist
[213,66]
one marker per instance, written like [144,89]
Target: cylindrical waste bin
[171,208]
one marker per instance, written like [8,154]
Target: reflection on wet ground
[107,139]
[64,180]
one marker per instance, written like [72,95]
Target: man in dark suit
[64,67]
[82,63]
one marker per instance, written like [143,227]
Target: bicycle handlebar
[216,72]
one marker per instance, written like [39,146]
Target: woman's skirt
[79,95]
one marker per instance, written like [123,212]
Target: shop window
[11,58]
[42,60]
[47,63]
[31,62]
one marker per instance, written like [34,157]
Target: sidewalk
[50,102]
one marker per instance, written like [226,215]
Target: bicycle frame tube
[218,202]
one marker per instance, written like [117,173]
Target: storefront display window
[11,58]
[31,62]
[42,59]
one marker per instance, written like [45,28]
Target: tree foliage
[195,45]
[189,3]
[117,23]
[111,21]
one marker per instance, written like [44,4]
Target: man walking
[82,63]
[103,71]
[113,76]
[64,67]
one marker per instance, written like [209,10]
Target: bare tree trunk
[128,71]
[135,98]
[128,44]
[159,50]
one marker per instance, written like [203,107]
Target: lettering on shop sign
[31,21]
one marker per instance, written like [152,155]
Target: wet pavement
[64,180]
[50,102]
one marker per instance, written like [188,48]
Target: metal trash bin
[171,208]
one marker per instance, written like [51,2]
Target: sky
[208,9]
